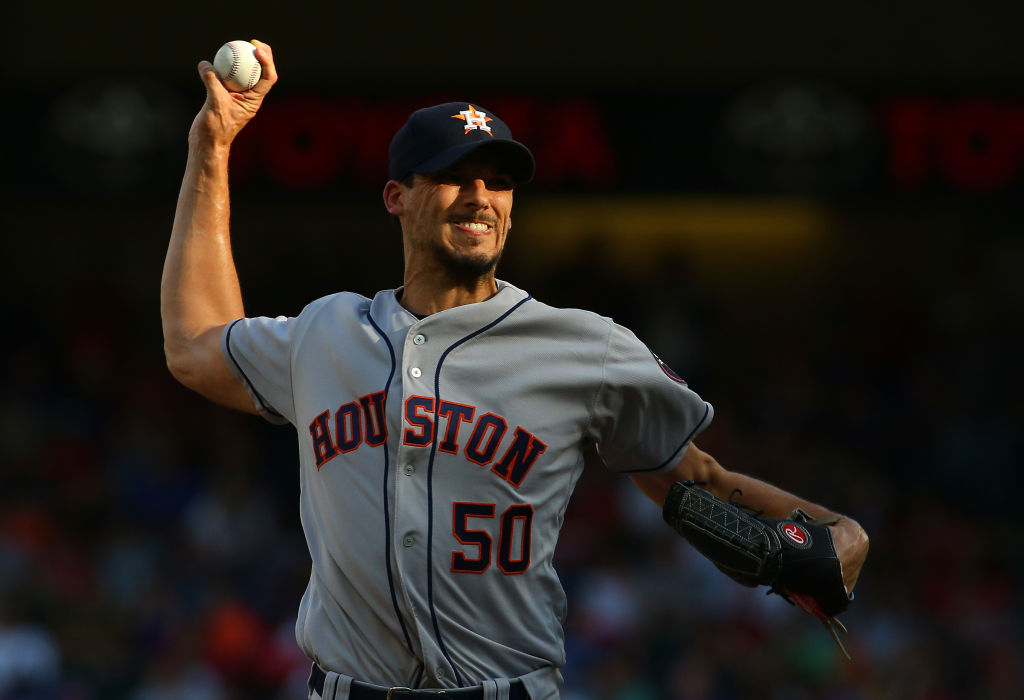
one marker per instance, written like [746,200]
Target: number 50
[515,531]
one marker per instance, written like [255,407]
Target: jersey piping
[387,512]
[264,406]
[686,441]
[430,481]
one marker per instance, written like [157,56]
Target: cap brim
[511,155]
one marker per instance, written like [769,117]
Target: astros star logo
[474,120]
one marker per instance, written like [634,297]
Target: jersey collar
[392,316]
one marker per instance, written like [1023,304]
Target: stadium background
[812,214]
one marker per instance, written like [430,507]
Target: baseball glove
[796,557]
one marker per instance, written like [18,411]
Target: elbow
[183,365]
[178,365]
[191,357]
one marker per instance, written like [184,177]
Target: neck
[427,295]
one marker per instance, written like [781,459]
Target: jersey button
[419,339]
[408,540]
[408,470]
[415,372]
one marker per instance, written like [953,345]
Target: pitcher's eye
[499,183]
[446,177]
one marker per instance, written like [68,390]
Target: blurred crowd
[150,546]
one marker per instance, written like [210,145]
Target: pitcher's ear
[394,198]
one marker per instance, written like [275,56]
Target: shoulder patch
[669,372]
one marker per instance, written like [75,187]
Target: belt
[366,691]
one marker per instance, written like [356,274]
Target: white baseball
[236,65]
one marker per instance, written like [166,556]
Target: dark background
[812,213]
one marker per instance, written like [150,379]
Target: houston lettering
[460,428]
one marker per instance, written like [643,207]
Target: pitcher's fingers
[209,76]
[265,55]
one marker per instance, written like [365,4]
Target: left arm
[850,539]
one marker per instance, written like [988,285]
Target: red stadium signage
[975,145]
[305,142]
[803,138]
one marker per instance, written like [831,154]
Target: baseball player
[441,425]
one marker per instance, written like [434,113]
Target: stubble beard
[465,270]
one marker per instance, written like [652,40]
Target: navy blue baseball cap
[436,137]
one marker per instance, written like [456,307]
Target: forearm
[199,290]
[701,467]
[773,501]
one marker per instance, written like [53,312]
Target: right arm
[199,290]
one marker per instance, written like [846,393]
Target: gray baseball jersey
[437,457]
